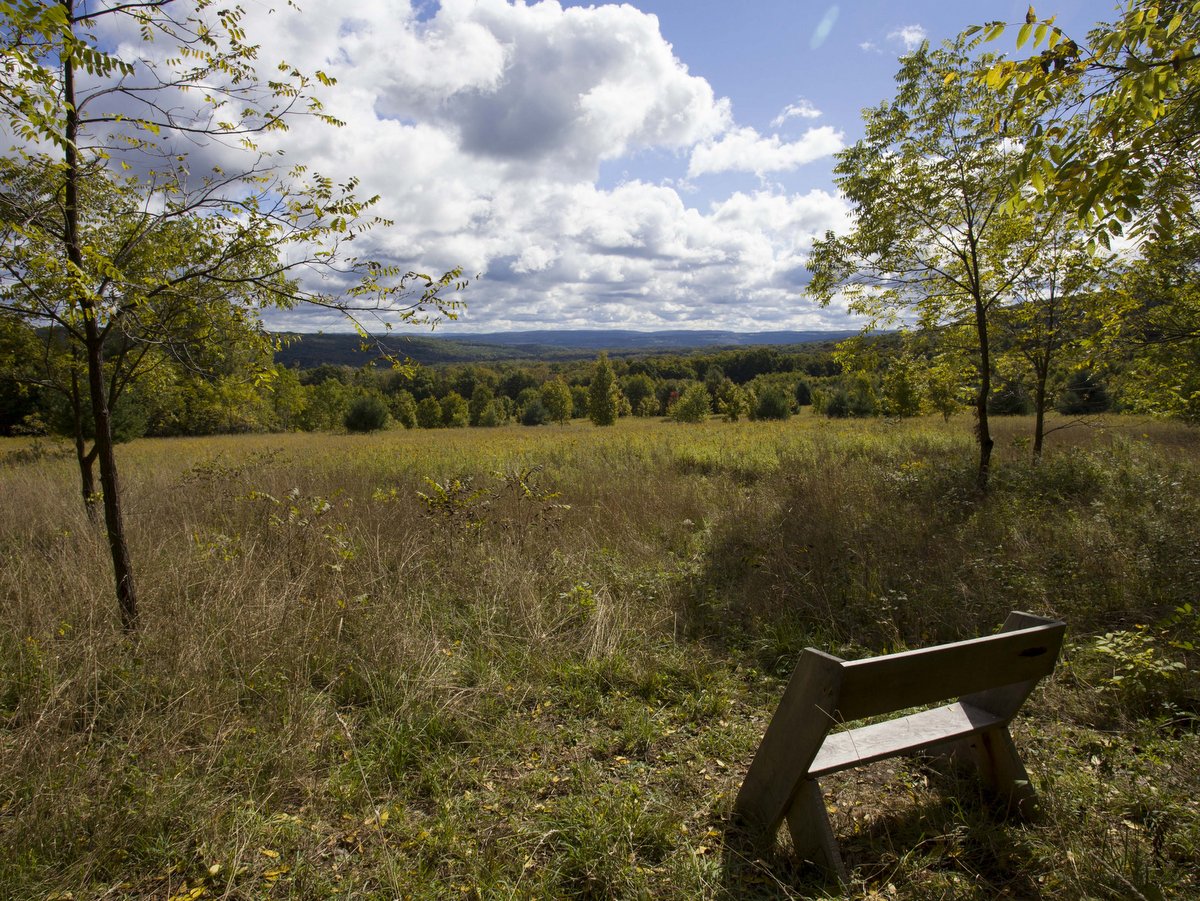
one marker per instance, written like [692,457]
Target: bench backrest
[879,685]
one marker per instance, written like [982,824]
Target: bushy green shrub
[367,413]
[534,413]
[603,393]
[836,405]
[556,399]
[456,413]
[404,409]
[494,413]
[1084,395]
[693,406]
[1010,399]
[773,403]
[429,413]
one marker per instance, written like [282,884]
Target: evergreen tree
[603,394]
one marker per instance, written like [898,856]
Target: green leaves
[1126,128]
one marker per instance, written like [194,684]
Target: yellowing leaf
[267,852]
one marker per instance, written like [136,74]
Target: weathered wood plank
[1001,770]
[917,731]
[1006,700]
[881,685]
[812,834]
[792,740]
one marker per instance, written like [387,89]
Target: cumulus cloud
[801,109]
[909,36]
[745,150]
[542,89]
[483,127]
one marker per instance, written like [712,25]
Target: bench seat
[915,732]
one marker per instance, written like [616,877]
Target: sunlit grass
[548,680]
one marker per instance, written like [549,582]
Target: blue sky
[659,165]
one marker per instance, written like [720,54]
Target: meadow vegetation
[535,662]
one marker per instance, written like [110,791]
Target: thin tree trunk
[87,477]
[1039,422]
[94,345]
[110,492]
[982,427]
[84,457]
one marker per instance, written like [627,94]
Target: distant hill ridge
[313,349]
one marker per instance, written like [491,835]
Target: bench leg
[1001,770]
[812,835]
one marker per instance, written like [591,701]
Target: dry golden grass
[547,680]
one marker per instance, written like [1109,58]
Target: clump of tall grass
[890,545]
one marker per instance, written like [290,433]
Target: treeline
[242,390]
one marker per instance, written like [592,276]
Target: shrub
[693,406]
[603,394]
[493,414]
[366,414]
[404,409]
[534,413]
[556,399]
[863,401]
[481,396]
[1010,399]
[803,394]
[1084,395]
[836,405]
[773,403]
[733,403]
[579,401]
[639,389]
[455,411]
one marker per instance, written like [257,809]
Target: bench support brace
[812,834]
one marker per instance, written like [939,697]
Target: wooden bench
[990,677]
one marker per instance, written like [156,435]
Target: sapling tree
[148,88]
[693,406]
[556,398]
[931,241]
[1158,301]
[167,334]
[1057,304]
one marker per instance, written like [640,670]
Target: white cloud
[745,150]
[910,36]
[801,109]
[483,129]
[541,89]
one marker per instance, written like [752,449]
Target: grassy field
[518,663]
